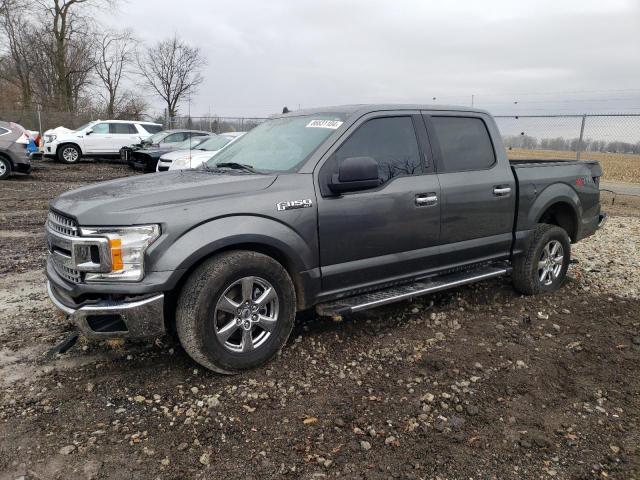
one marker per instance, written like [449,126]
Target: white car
[100,138]
[184,159]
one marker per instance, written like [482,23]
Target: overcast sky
[561,56]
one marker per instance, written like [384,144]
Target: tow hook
[64,346]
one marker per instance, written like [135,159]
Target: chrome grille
[61,224]
[69,274]
[58,224]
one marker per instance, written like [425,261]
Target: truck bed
[535,162]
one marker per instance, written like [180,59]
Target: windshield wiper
[237,166]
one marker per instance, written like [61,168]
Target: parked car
[341,209]
[195,157]
[146,159]
[14,157]
[100,138]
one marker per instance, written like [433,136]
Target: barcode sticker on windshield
[332,124]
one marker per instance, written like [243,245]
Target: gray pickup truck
[340,208]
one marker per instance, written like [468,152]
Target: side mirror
[88,132]
[355,173]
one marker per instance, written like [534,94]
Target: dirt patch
[483,383]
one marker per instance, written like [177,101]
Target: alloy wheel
[246,314]
[550,263]
[70,154]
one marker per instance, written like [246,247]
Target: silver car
[13,154]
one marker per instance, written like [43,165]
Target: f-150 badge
[293,204]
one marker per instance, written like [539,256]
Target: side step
[357,303]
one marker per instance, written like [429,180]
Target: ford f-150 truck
[340,208]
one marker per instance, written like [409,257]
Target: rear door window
[464,142]
[122,128]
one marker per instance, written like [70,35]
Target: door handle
[501,191]
[426,199]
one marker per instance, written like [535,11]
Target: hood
[143,198]
[176,154]
[154,151]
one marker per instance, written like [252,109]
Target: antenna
[189,132]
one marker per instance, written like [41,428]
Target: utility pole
[472,99]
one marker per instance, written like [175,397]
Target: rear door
[478,193]
[389,232]
[99,140]
[123,134]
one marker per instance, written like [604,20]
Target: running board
[357,303]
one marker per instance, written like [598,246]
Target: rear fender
[553,194]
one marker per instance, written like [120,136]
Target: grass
[621,167]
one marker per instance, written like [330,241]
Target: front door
[99,140]
[478,192]
[390,232]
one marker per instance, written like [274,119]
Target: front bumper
[141,318]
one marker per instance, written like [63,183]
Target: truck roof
[364,108]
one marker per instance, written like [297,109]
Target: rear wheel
[543,267]
[69,154]
[236,311]
[5,168]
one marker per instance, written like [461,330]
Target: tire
[543,266]
[5,168]
[219,287]
[69,153]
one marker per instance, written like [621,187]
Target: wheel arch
[64,144]
[274,239]
[6,157]
[557,205]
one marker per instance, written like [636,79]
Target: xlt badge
[293,204]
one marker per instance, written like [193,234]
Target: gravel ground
[477,382]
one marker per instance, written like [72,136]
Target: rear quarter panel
[543,185]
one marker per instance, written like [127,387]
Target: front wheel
[69,154]
[236,311]
[543,266]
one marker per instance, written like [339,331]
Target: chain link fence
[613,140]
[216,124]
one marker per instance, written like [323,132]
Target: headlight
[127,246]
[184,162]
[52,138]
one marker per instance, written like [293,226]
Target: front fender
[222,233]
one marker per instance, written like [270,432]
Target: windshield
[86,125]
[281,144]
[213,144]
[190,143]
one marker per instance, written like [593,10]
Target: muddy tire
[543,266]
[5,168]
[236,311]
[69,153]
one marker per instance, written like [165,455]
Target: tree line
[570,144]
[57,56]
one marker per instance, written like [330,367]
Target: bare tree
[172,68]
[16,64]
[68,42]
[114,56]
